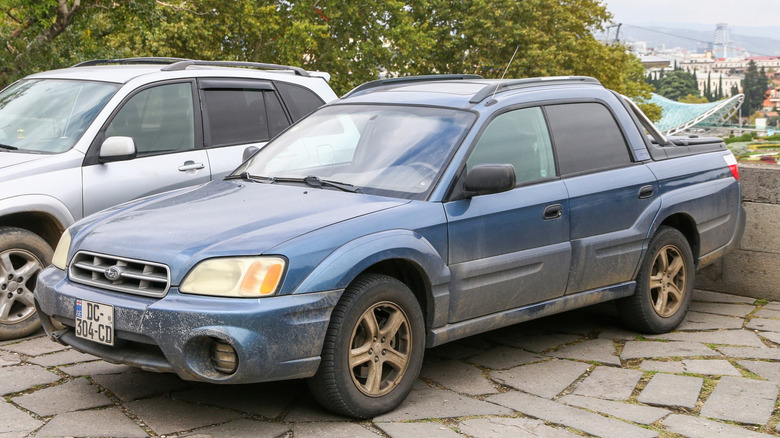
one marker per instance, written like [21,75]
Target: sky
[735,13]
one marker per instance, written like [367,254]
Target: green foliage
[690,98]
[754,86]
[742,138]
[677,84]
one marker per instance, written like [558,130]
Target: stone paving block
[740,310]
[35,346]
[454,350]
[708,321]
[636,413]
[140,384]
[772,336]
[539,342]
[764,324]
[511,428]
[671,390]
[61,358]
[165,416]
[100,422]
[418,430]
[598,350]
[266,399]
[244,429]
[717,297]
[751,352]
[70,396]
[18,378]
[307,410]
[558,413]
[332,430]
[15,421]
[95,368]
[674,367]
[609,383]
[713,367]
[695,427]
[501,358]
[742,400]
[427,402]
[545,379]
[768,370]
[640,349]
[8,359]
[721,337]
[768,313]
[772,305]
[458,376]
[618,333]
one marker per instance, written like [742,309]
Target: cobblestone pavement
[574,374]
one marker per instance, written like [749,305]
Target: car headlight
[243,277]
[60,257]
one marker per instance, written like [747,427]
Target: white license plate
[95,321]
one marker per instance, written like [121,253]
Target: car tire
[373,348]
[22,256]
[664,285]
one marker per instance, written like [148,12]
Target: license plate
[95,321]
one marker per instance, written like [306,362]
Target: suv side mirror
[117,149]
[484,179]
[248,152]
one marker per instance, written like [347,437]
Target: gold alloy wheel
[380,347]
[667,281]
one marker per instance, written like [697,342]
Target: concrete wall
[753,270]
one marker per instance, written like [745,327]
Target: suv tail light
[732,163]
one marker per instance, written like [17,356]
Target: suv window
[235,116]
[159,119]
[519,138]
[300,101]
[587,137]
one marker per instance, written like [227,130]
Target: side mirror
[117,149]
[484,179]
[248,152]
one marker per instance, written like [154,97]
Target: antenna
[505,70]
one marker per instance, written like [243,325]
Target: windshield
[387,150]
[49,115]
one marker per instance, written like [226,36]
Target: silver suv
[81,139]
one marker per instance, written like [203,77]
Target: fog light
[224,357]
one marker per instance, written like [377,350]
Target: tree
[690,98]
[677,84]
[754,86]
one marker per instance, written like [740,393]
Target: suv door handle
[190,165]
[645,192]
[553,211]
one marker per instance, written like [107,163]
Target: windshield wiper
[8,147]
[246,176]
[313,181]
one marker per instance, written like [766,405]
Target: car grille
[120,274]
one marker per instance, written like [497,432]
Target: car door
[510,249]
[162,122]
[610,195]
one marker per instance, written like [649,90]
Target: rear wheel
[664,285]
[22,256]
[373,349]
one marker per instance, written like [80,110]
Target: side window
[159,119]
[235,116]
[519,138]
[587,137]
[299,100]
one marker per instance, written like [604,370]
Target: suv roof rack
[184,63]
[139,60]
[515,84]
[408,79]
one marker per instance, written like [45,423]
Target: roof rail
[514,84]
[184,63]
[408,79]
[139,60]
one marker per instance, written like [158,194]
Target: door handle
[553,211]
[645,192]
[190,165]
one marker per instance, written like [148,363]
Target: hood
[222,218]
[11,158]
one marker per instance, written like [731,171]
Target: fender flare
[38,204]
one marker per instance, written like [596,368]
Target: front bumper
[274,338]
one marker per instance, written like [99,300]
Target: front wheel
[664,285]
[22,256]
[373,348]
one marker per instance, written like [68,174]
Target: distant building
[721,41]
[719,79]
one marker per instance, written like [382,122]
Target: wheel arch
[685,224]
[41,223]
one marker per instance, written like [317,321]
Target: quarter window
[587,137]
[300,101]
[519,138]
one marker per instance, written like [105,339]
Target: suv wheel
[373,349]
[22,256]
[664,285]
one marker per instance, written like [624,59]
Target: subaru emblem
[113,273]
